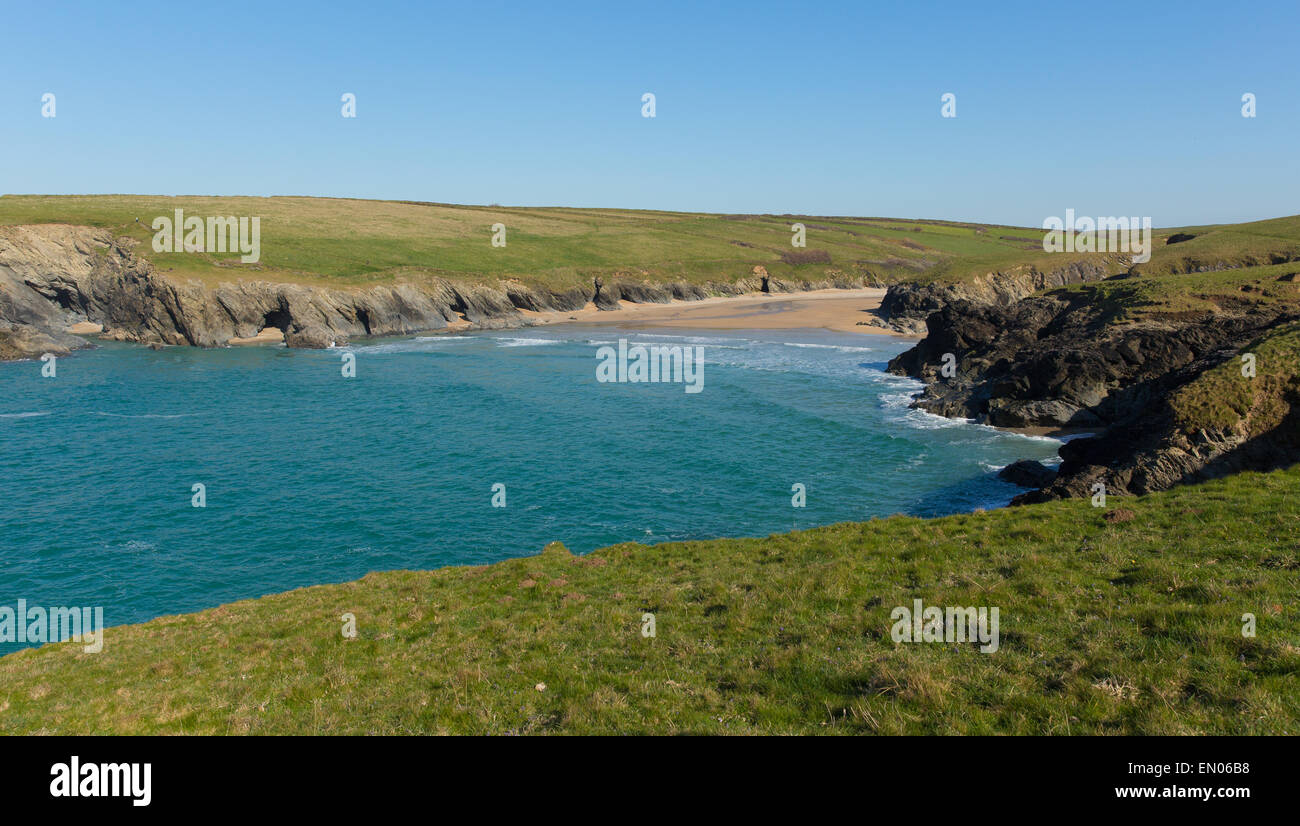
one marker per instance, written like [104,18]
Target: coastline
[833,309]
[836,310]
[842,311]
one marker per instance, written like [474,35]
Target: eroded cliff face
[1060,362]
[906,306]
[1157,451]
[53,276]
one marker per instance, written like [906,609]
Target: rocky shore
[1064,360]
[54,276]
[907,305]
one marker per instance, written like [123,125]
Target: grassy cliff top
[1119,620]
[1225,246]
[1227,397]
[346,242]
[1182,295]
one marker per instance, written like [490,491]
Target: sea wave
[640,341]
[688,339]
[842,348]
[525,342]
[144,415]
[422,344]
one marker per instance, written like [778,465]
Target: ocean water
[314,478]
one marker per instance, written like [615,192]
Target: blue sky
[827,108]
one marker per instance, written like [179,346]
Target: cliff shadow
[1274,449]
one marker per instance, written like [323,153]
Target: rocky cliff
[1063,360]
[54,276]
[906,305]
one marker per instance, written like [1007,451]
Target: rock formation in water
[1060,360]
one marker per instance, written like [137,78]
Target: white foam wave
[423,344]
[698,339]
[526,342]
[842,348]
[896,401]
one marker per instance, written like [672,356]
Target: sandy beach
[845,311]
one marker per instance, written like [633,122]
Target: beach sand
[270,335]
[845,311]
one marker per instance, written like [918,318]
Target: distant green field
[1127,624]
[1227,245]
[355,242]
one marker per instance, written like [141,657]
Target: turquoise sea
[311,477]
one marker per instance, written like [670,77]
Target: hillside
[351,243]
[328,270]
[1119,620]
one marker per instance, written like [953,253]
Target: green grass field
[355,243]
[1123,623]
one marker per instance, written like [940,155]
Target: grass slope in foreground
[1106,626]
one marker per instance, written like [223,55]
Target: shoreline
[834,310]
[841,311]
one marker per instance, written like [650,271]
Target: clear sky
[823,108]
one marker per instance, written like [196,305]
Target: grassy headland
[1126,620]
[347,243]
[342,242]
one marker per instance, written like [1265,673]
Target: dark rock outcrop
[1059,360]
[907,305]
[1050,361]
[1028,474]
[1158,450]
